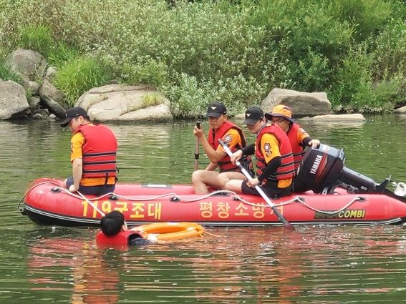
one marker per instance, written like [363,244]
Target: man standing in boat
[233,136]
[274,158]
[93,154]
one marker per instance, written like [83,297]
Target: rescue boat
[333,194]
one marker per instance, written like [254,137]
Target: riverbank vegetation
[234,51]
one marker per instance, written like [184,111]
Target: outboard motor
[322,170]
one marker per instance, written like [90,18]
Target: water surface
[329,264]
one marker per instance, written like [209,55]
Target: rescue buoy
[170,231]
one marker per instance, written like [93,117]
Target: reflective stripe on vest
[99,151]
[297,148]
[287,169]
[225,163]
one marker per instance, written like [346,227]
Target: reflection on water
[90,279]
[227,266]
[236,265]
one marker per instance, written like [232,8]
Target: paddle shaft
[197,148]
[258,188]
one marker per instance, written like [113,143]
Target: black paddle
[197,148]
[262,193]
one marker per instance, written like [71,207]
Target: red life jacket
[99,151]
[287,169]
[119,241]
[225,163]
[297,148]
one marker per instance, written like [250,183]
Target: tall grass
[6,74]
[80,75]
[36,38]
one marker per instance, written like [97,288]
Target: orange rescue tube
[171,231]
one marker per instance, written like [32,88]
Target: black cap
[216,109]
[72,113]
[252,115]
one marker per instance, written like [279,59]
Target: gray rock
[341,118]
[117,102]
[33,87]
[401,110]
[52,98]
[13,101]
[301,103]
[30,65]
[39,116]
[34,101]
[50,73]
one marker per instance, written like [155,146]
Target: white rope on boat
[177,198]
[330,212]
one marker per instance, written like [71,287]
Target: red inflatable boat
[47,202]
[338,196]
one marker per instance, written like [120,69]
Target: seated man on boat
[233,136]
[274,158]
[93,154]
[298,137]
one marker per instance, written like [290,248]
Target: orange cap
[280,111]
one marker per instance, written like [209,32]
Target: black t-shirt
[137,240]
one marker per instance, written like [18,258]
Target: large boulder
[29,65]
[336,119]
[401,110]
[301,103]
[52,98]
[118,102]
[13,101]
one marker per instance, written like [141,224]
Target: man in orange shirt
[299,138]
[274,158]
[93,154]
[233,136]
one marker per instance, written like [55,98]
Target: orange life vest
[297,148]
[99,151]
[286,169]
[225,163]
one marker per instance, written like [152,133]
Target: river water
[329,264]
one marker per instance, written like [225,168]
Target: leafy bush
[190,96]
[390,50]
[149,72]
[236,51]
[356,88]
